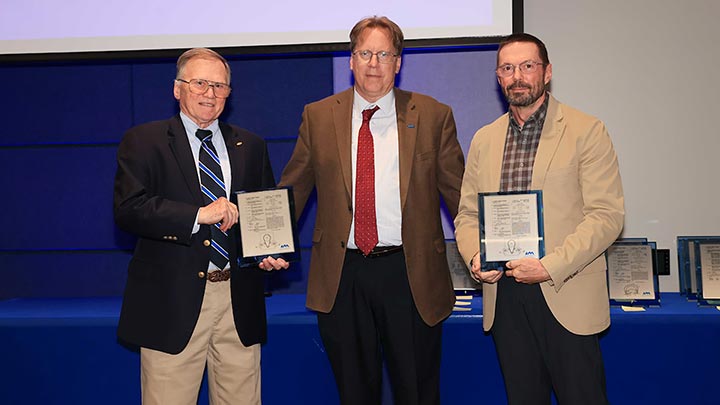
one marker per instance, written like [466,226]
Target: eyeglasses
[200,86]
[526,67]
[382,56]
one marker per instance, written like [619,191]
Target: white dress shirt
[383,126]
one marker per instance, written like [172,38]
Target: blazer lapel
[180,148]
[235,150]
[552,132]
[496,152]
[407,122]
[342,118]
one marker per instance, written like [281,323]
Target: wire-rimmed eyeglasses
[508,69]
[382,56]
[200,86]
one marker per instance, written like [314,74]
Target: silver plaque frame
[707,255]
[511,227]
[687,264]
[462,281]
[267,226]
[632,273]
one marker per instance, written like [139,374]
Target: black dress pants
[538,355]
[374,316]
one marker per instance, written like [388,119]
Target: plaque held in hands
[267,226]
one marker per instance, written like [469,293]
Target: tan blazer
[577,170]
[431,165]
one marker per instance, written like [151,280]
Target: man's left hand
[528,270]
[270,263]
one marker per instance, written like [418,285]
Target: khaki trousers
[233,369]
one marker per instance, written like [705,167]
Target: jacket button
[201,274]
[206,242]
[342,244]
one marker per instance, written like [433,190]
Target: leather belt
[378,251]
[219,275]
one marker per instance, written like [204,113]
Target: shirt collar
[191,127]
[386,104]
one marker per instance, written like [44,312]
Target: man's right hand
[490,276]
[219,211]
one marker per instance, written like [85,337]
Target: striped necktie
[213,187]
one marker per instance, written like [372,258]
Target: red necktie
[366,236]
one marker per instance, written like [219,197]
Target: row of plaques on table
[632,272]
[699,268]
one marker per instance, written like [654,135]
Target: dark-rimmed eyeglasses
[382,56]
[527,67]
[200,86]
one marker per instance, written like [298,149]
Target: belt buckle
[384,250]
[218,276]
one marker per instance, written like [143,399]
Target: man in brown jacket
[380,283]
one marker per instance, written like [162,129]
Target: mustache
[518,85]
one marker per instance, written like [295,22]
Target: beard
[526,99]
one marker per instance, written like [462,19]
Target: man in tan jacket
[545,314]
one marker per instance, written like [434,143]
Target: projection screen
[73,26]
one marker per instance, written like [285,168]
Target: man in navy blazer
[180,308]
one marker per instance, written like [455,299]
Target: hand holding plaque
[267,226]
[511,227]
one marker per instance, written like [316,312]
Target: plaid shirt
[521,147]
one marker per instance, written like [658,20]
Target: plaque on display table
[511,227]
[463,283]
[707,254]
[267,226]
[687,264]
[632,273]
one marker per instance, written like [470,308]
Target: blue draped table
[61,351]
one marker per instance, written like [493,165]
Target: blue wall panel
[269,94]
[73,103]
[57,198]
[152,87]
[60,238]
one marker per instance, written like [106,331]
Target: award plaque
[463,283]
[267,226]
[511,227]
[632,273]
[683,269]
[687,264]
[707,255]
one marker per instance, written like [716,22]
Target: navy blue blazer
[156,197]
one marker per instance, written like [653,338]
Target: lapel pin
[411,125]
[239,143]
